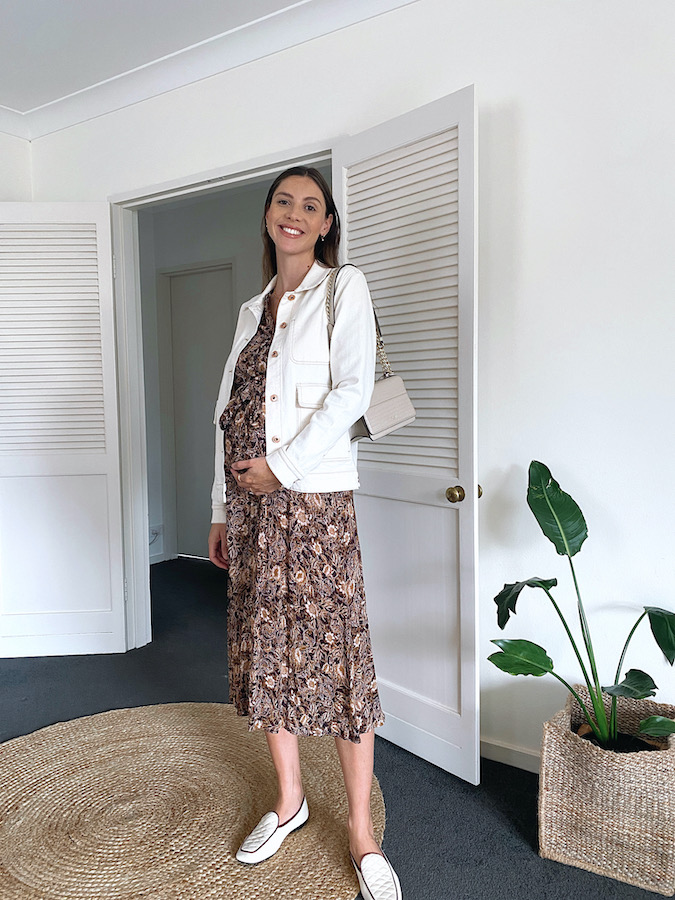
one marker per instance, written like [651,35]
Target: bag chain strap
[379,342]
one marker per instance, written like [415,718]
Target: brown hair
[326,250]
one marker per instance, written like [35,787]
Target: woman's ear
[328,223]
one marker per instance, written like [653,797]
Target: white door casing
[61,568]
[406,195]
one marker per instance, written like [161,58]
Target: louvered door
[406,195]
[61,571]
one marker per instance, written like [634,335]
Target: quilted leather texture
[262,831]
[378,880]
[268,835]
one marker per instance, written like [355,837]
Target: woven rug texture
[152,803]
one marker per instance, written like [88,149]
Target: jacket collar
[312,279]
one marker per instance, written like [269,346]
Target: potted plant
[600,808]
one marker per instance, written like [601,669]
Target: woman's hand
[255,476]
[218,545]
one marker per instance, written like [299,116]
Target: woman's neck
[290,273]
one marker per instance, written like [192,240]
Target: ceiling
[65,61]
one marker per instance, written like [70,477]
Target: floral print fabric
[299,647]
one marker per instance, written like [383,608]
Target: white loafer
[268,835]
[377,878]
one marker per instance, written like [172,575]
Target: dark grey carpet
[446,838]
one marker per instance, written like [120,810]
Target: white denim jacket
[314,393]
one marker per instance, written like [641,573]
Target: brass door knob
[480,492]
[455,494]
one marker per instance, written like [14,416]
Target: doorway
[200,259]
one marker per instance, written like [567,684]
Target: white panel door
[201,303]
[61,569]
[406,194]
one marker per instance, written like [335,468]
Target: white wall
[15,174]
[577,217]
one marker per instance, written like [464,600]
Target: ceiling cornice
[294,25]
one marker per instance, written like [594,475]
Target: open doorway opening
[199,260]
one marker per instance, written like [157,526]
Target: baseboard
[519,757]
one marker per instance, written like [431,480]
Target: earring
[323,238]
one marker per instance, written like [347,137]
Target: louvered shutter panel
[402,231]
[51,363]
[61,556]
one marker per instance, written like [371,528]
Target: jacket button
[291,297]
[275,439]
[275,353]
[274,397]
[283,325]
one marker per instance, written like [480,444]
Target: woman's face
[297,216]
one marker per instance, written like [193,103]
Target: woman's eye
[310,207]
[281,201]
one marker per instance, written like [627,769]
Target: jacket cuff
[218,515]
[281,467]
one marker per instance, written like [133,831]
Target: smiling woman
[299,649]
[287,211]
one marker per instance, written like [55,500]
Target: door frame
[127,286]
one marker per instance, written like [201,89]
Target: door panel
[61,571]
[406,193]
[200,323]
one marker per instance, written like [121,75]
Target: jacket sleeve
[352,367]
[218,490]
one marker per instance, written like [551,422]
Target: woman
[300,656]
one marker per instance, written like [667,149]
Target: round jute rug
[153,802]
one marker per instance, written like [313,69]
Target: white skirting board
[519,757]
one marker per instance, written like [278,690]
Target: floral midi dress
[299,649]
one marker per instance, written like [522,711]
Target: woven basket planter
[609,813]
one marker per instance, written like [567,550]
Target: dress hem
[347,735]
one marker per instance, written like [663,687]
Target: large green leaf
[663,629]
[507,598]
[637,685]
[657,726]
[521,658]
[558,515]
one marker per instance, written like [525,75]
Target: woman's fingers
[218,545]
[255,476]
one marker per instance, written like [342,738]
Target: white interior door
[61,565]
[406,194]
[200,310]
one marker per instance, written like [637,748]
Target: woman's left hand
[255,476]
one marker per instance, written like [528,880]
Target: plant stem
[596,696]
[612,717]
[589,718]
[625,648]
[584,671]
